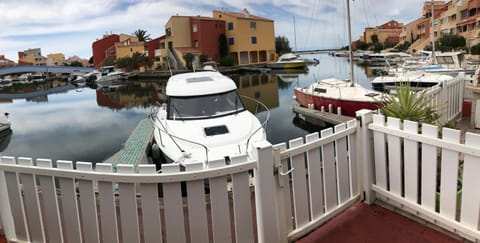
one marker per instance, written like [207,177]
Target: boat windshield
[203,107]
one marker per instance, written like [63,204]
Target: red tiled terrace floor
[364,223]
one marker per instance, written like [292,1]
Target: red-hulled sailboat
[339,93]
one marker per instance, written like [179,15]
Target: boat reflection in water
[5,136]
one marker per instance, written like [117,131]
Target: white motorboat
[450,63]
[288,60]
[109,73]
[204,120]
[416,79]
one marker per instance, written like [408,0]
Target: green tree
[203,58]
[451,42]
[134,62]
[475,49]
[188,57]
[227,61]
[388,44]
[75,64]
[222,46]
[374,39]
[142,35]
[282,45]
[403,46]
[108,62]
[90,61]
[377,47]
[362,45]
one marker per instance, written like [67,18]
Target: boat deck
[133,152]
[327,117]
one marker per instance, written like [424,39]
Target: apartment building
[458,17]
[55,59]
[387,32]
[113,46]
[4,62]
[31,56]
[194,35]
[251,39]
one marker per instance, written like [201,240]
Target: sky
[71,26]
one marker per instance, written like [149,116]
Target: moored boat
[288,60]
[340,94]
[343,94]
[204,120]
[416,79]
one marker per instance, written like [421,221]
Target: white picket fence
[447,97]
[296,188]
[411,162]
[317,178]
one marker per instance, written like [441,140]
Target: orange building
[251,39]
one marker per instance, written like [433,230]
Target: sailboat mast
[432,33]
[294,34]
[350,54]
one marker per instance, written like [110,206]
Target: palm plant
[409,105]
[142,35]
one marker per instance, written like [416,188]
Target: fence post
[365,155]
[265,194]
[6,218]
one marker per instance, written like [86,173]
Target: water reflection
[132,95]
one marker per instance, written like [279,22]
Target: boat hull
[348,107]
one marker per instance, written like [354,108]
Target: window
[253,25]
[230,26]
[231,41]
[254,40]
[194,28]
[168,32]
[195,43]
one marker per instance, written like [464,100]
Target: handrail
[264,123]
[163,129]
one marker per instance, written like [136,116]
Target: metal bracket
[281,174]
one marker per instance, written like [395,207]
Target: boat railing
[264,123]
[153,116]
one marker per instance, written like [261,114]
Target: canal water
[56,120]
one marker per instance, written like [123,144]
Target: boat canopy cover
[199,83]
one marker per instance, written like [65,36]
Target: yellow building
[128,45]
[251,39]
[32,56]
[56,59]
[409,31]
[178,41]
